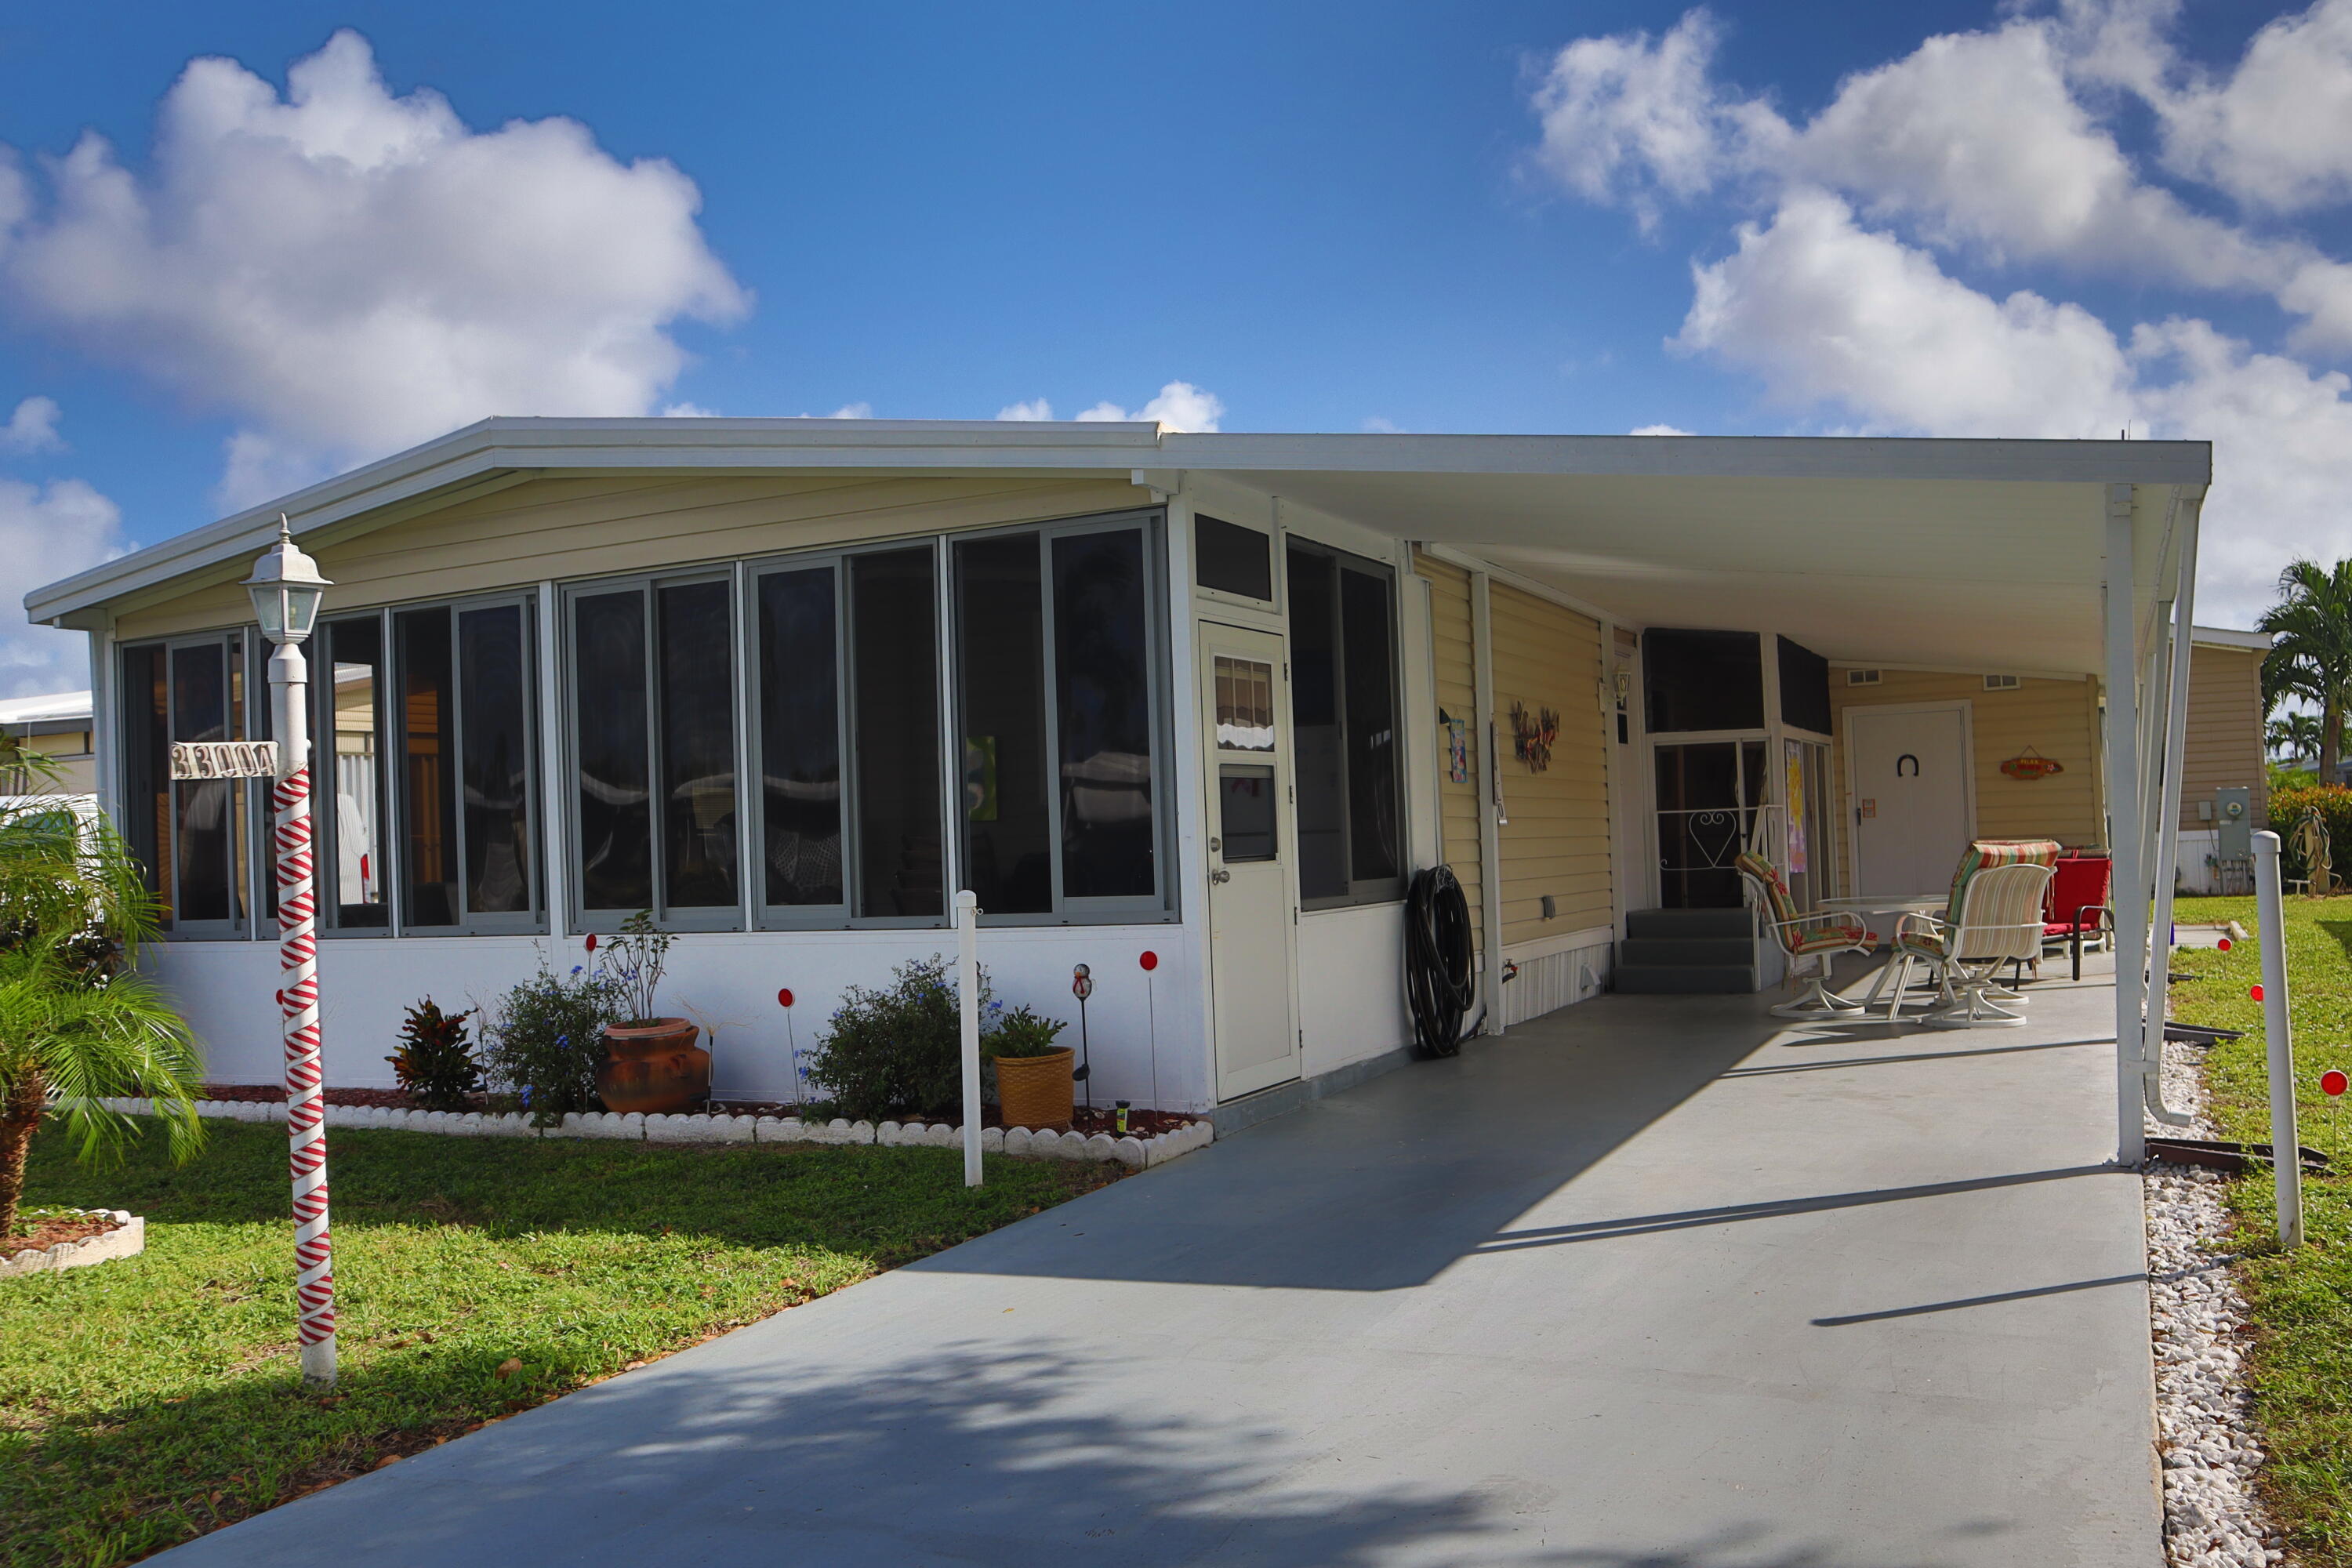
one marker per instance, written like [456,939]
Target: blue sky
[2049,219]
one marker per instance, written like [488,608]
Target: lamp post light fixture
[286,586]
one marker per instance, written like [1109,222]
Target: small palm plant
[77,1025]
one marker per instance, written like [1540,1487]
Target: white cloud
[1657,430]
[2276,132]
[33,428]
[47,531]
[688,411]
[348,272]
[847,410]
[1032,411]
[1180,406]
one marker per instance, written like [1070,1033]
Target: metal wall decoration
[2031,764]
[1533,734]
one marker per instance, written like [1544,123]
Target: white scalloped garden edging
[127,1238]
[1131,1150]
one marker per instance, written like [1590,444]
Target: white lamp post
[286,588]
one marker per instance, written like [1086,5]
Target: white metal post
[2174,747]
[967,903]
[2286,1150]
[297,1006]
[2123,776]
[1490,800]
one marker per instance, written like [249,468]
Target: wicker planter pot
[653,1068]
[1035,1091]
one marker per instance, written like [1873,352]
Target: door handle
[1221,875]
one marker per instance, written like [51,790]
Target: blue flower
[563,1039]
[575,969]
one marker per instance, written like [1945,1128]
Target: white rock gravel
[2204,1415]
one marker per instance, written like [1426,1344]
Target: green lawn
[145,1400]
[2302,1361]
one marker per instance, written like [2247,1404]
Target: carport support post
[2286,1151]
[968,1000]
[2172,750]
[2123,764]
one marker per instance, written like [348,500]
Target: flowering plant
[630,966]
[544,1040]
[898,1050]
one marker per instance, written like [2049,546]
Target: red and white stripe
[297,1004]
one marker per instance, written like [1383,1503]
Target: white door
[1246,717]
[1911,808]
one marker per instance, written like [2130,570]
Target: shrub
[897,1049]
[433,1063]
[545,1039]
[2334,804]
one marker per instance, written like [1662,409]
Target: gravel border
[1130,1151]
[2204,1413]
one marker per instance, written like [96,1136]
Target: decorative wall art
[1533,734]
[1458,749]
[2031,764]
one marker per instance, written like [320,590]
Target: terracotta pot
[653,1069]
[1034,1091]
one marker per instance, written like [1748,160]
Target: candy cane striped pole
[298,1005]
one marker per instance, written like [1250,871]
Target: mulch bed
[48,1231]
[1098,1119]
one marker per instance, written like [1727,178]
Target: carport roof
[1979,553]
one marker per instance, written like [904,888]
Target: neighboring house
[1189,708]
[2223,753]
[58,724]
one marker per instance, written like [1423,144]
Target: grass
[146,1401]
[2301,1367]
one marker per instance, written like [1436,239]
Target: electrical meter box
[2233,824]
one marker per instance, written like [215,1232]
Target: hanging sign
[223,759]
[2029,764]
[1533,735]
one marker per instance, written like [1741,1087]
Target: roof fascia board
[1707,457]
[1524,585]
[2022,671]
[2223,636]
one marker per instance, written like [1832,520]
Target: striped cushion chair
[1994,917]
[1804,936]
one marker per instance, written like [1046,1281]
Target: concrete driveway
[1646,1285]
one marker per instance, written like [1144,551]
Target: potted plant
[651,1062]
[1033,1086]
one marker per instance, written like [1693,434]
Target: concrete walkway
[1647,1285]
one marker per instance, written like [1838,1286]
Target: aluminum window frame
[530,923]
[326,826]
[1362,890]
[648,585]
[250,826]
[752,702]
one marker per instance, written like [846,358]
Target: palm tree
[76,1022]
[2310,649]
[2293,736]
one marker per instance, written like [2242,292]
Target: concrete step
[1685,979]
[1670,925]
[1703,950]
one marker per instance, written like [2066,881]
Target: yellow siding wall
[2059,719]
[583,527]
[1557,840]
[1457,697]
[2225,731]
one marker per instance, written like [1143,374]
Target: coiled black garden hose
[1438,959]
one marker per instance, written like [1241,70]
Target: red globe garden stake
[2255,992]
[1150,962]
[791,1044]
[285,587]
[2333,1083]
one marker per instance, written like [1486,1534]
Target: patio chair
[1804,936]
[2078,905]
[1995,917]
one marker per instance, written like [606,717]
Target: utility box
[2233,824]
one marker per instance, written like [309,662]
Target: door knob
[1221,875]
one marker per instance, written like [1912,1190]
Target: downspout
[2123,771]
[1490,800]
[2173,738]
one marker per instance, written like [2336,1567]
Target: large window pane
[800,737]
[609,715]
[428,785]
[202,809]
[355,660]
[698,736]
[1369,694]
[1001,668]
[897,720]
[1103,659]
[147,737]
[1315,726]
[495,747]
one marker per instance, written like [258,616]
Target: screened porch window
[1343,720]
[193,836]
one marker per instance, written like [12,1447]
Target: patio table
[1888,904]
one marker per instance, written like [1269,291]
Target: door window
[1245,813]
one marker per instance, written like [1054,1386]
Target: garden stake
[2286,1161]
[2333,1084]
[791,1044]
[967,903]
[1150,962]
[1082,985]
